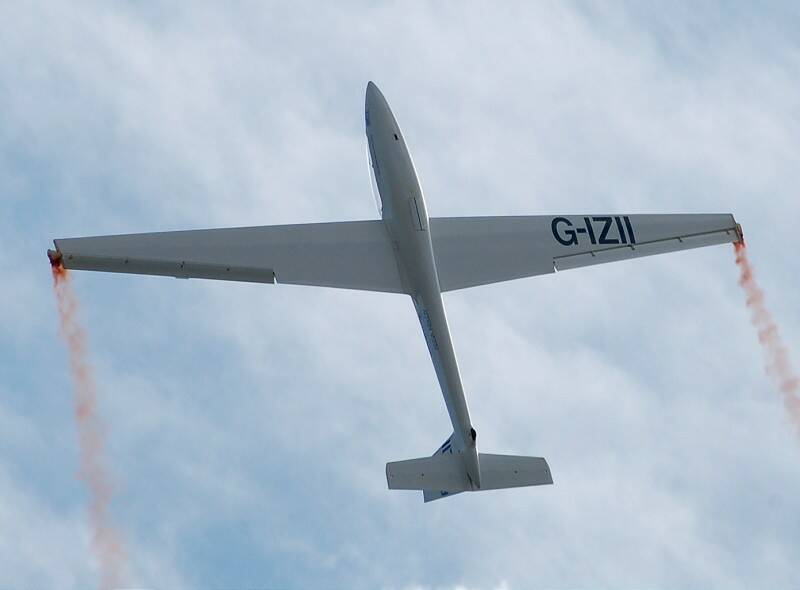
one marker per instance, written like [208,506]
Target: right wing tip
[739,233]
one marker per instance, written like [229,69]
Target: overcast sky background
[248,426]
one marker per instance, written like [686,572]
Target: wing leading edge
[349,255]
[473,251]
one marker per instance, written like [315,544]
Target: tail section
[445,473]
[431,495]
[438,476]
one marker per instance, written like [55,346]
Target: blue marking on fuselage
[427,326]
[433,347]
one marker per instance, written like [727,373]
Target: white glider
[408,252]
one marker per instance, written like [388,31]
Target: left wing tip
[55,257]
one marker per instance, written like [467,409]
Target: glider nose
[375,105]
[372,93]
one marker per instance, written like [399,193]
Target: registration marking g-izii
[603,230]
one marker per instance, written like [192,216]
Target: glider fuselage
[406,219]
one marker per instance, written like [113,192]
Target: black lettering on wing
[604,239]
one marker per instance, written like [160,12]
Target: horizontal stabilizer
[512,471]
[444,475]
[440,472]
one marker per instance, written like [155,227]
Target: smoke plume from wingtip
[106,540]
[776,354]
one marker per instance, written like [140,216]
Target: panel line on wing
[184,269]
[627,251]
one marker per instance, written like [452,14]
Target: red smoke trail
[106,540]
[776,354]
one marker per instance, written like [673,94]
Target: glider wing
[349,255]
[471,251]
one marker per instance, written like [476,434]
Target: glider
[410,253]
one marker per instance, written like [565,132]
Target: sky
[248,426]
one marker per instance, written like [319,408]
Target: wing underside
[473,251]
[469,251]
[349,255]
